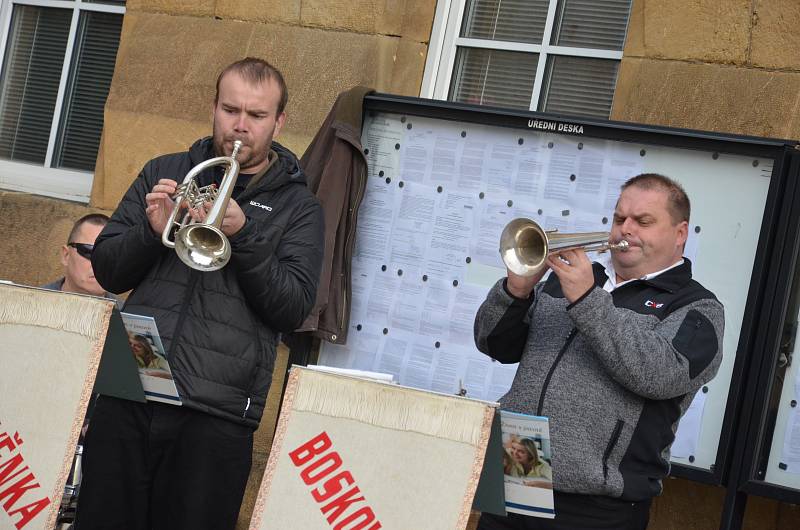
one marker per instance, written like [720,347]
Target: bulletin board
[444,179]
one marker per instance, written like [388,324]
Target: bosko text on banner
[352,453]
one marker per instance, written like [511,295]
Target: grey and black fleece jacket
[614,372]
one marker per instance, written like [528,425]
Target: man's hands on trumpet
[232,222]
[574,271]
[521,286]
[160,205]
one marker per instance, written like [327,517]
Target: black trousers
[577,512]
[155,466]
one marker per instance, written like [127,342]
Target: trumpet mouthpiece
[236,146]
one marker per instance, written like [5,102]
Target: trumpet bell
[523,247]
[202,247]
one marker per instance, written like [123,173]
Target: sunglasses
[83,249]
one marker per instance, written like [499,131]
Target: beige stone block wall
[706,96]
[196,8]
[719,65]
[35,229]
[283,11]
[171,52]
[775,35]
[700,30]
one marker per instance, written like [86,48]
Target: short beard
[253,160]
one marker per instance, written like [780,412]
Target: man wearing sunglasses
[76,258]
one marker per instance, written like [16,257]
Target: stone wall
[718,65]
[172,50]
[35,228]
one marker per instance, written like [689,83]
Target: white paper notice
[791,443]
[375,220]
[412,226]
[685,443]
[426,252]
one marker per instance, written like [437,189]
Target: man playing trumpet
[612,355]
[157,466]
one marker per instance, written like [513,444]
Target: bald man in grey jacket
[613,355]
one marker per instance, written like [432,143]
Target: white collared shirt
[612,284]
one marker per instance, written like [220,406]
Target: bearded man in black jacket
[153,466]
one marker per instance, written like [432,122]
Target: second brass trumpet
[524,245]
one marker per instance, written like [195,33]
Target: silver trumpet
[524,245]
[202,245]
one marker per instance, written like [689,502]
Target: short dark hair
[97,219]
[678,201]
[256,71]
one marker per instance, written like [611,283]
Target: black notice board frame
[770,237]
[756,439]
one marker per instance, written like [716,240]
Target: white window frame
[33,178]
[445,40]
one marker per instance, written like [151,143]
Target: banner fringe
[391,406]
[83,315]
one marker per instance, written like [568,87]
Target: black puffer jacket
[221,328]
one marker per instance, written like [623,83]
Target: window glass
[32,67]
[563,55]
[579,86]
[598,24]
[92,68]
[506,20]
[493,77]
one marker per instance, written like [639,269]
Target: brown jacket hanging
[336,169]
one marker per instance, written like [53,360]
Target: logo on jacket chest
[654,305]
[262,206]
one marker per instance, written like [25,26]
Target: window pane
[579,86]
[92,67]
[507,20]
[591,23]
[31,74]
[493,77]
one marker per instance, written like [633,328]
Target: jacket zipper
[193,276]
[571,336]
[349,252]
[610,447]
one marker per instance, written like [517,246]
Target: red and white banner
[354,454]
[50,348]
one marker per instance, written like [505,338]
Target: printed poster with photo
[527,474]
[151,359]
